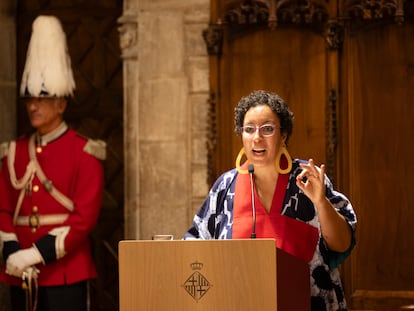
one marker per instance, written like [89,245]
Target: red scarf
[293,236]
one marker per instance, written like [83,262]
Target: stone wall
[166,113]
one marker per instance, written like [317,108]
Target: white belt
[35,220]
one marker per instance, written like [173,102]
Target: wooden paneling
[346,70]
[289,62]
[380,90]
[254,51]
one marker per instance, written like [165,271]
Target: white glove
[31,273]
[21,260]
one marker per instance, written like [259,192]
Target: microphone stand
[251,171]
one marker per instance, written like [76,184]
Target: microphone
[251,171]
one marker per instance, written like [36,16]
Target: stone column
[129,46]
[165,101]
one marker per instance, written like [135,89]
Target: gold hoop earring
[284,151]
[238,159]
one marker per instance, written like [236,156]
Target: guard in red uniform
[51,186]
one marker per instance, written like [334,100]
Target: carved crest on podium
[197,284]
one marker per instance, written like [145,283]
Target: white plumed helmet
[48,70]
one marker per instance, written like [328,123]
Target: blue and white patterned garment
[214,220]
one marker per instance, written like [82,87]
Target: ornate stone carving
[128,35]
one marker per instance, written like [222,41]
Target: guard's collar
[43,140]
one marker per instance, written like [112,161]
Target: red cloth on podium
[292,236]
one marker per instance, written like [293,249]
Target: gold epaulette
[4,149]
[96,147]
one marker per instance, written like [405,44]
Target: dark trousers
[53,298]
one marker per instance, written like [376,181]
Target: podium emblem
[197,284]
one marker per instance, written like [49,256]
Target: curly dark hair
[274,101]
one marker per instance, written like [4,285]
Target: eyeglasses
[266,130]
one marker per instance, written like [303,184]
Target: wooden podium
[193,275]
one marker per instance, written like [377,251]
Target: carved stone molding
[128,35]
[128,31]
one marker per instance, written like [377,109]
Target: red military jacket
[78,175]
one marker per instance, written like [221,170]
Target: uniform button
[38,149]
[35,188]
[35,209]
